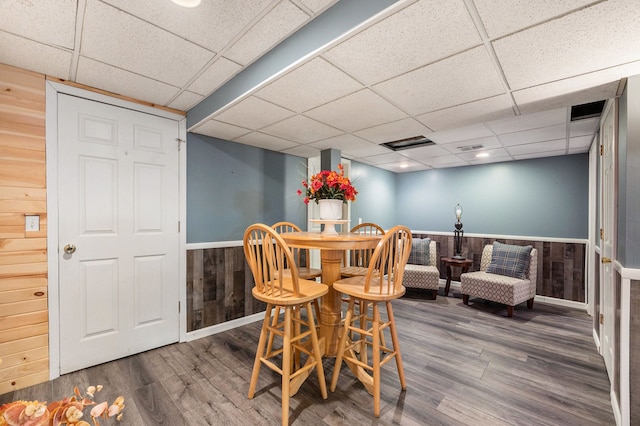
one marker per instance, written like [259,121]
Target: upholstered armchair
[508,274]
[421,270]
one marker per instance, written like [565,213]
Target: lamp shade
[458,211]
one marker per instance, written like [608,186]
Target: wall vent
[412,142]
[584,111]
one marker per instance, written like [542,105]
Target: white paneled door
[118,232]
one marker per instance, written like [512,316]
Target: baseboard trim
[225,326]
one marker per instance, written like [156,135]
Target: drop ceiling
[497,77]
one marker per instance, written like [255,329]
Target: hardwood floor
[465,365]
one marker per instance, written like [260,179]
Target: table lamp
[458,234]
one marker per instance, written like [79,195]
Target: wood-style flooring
[465,365]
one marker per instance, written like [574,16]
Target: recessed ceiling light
[404,165]
[482,155]
[187,3]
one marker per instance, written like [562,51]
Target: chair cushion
[419,254]
[420,276]
[510,260]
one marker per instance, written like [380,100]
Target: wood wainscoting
[219,281]
[24,327]
[561,266]
[219,284]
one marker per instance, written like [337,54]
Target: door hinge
[178,307]
[601,150]
[178,227]
[601,233]
[180,142]
[601,318]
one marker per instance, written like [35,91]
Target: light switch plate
[32,223]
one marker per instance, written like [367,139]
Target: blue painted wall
[546,197]
[376,200]
[230,186]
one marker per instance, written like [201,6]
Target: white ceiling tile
[124,41]
[500,153]
[262,140]
[470,145]
[574,91]
[588,126]
[394,131]
[460,163]
[580,142]
[424,153]
[308,86]
[443,160]
[301,129]
[470,113]
[351,145]
[213,24]
[404,166]
[434,29]
[534,135]
[214,76]
[185,101]
[254,113]
[533,148]
[220,130]
[276,25]
[540,154]
[305,151]
[33,56]
[317,5]
[572,151]
[529,121]
[501,18]
[460,134]
[457,80]
[357,111]
[51,22]
[391,157]
[488,160]
[94,73]
[591,39]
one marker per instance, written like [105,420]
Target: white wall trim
[52,89]
[509,237]
[225,326]
[214,244]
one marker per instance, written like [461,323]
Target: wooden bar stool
[266,252]
[381,285]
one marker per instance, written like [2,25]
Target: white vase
[330,209]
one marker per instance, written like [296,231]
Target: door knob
[606,260]
[69,249]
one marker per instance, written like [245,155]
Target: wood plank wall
[219,284]
[219,281]
[561,266]
[24,327]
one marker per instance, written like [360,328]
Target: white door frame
[607,330]
[51,111]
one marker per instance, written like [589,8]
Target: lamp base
[458,257]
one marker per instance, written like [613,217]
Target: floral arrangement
[328,185]
[68,411]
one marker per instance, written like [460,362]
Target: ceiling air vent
[584,111]
[413,142]
[470,148]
